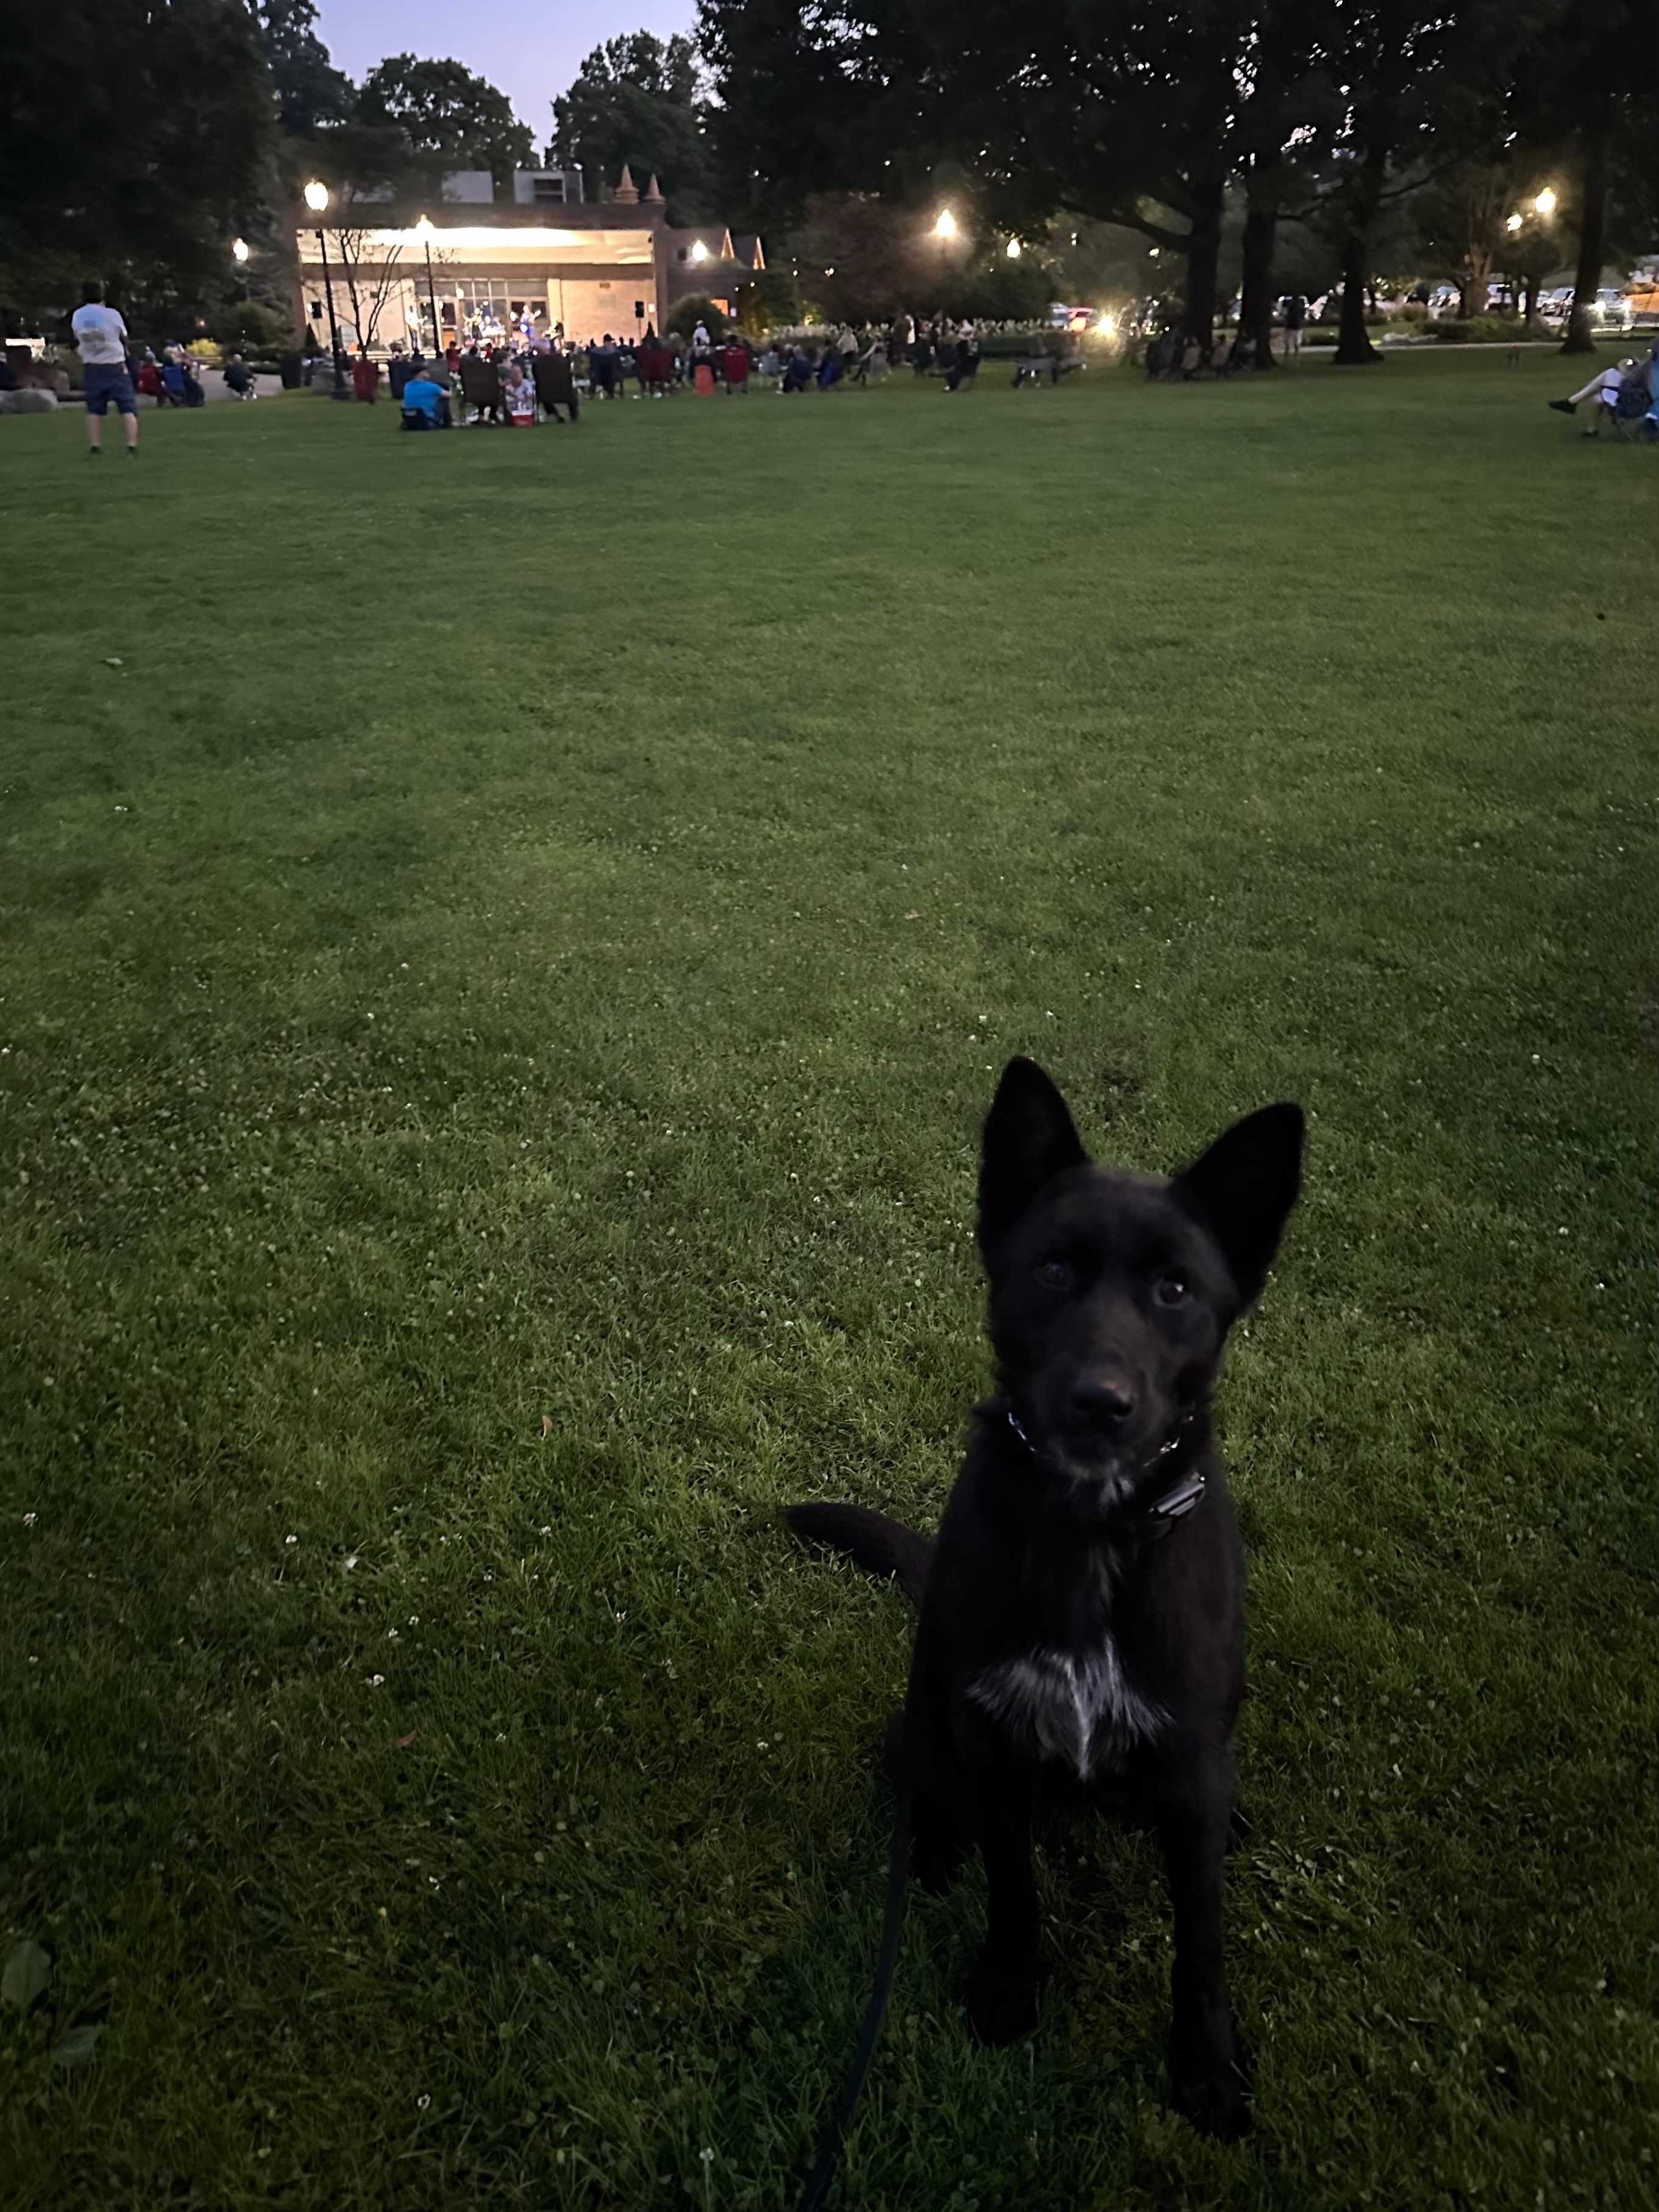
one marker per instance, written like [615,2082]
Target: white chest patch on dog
[1074,1706]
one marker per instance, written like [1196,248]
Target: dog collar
[1175,1504]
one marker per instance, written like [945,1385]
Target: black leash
[898,1872]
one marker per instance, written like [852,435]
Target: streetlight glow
[1545,202]
[239,249]
[946,225]
[423,228]
[316,196]
[1514,223]
[1013,249]
[699,251]
[1105,326]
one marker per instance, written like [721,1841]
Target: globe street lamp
[317,200]
[1544,203]
[945,229]
[1013,249]
[423,232]
[239,249]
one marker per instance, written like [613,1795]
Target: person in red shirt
[735,364]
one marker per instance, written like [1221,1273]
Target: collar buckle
[1177,1504]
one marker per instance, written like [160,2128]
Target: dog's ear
[1028,1140]
[1244,1186]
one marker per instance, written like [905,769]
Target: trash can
[365,378]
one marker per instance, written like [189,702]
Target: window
[489,310]
[548,188]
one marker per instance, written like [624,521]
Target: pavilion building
[472,268]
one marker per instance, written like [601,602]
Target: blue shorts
[106,380]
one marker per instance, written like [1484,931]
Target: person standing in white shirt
[100,338]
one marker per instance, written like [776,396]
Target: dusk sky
[531,54]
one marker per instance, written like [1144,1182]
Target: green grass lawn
[507,942]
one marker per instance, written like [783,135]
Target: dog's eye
[1054,1275]
[1170,1291]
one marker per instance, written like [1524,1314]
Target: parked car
[1612,309]
[1555,304]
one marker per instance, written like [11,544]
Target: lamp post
[317,200]
[945,229]
[423,232]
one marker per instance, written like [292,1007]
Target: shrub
[246,326]
[686,314]
[771,301]
[1476,329]
[205,352]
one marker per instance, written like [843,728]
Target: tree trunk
[1592,240]
[1255,306]
[1353,343]
[1203,260]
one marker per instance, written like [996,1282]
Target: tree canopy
[638,99]
[134,143]
[445,111]
[309,89]
[1165,120]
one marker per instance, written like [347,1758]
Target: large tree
[799,108]
[447,114]
[135,141]
[1587,87]
[638,100]
[309,89]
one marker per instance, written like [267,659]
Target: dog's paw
[1000,2007]
[1210,2087]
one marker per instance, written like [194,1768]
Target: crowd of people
[544,375]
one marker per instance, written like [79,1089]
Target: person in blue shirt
[425,403]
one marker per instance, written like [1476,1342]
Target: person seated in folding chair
[518,397]
[555,383]
[480,386]
[424,403]
[1607,390]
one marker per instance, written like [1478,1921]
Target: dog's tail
[870,1540]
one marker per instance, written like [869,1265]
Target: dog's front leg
[1001,1992]
[1205,2067]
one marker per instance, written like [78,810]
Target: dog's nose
[1104,1399]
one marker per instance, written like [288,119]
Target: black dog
[1082,1632]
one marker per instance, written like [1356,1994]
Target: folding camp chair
[481,388]
[1632,411]
[555,385]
